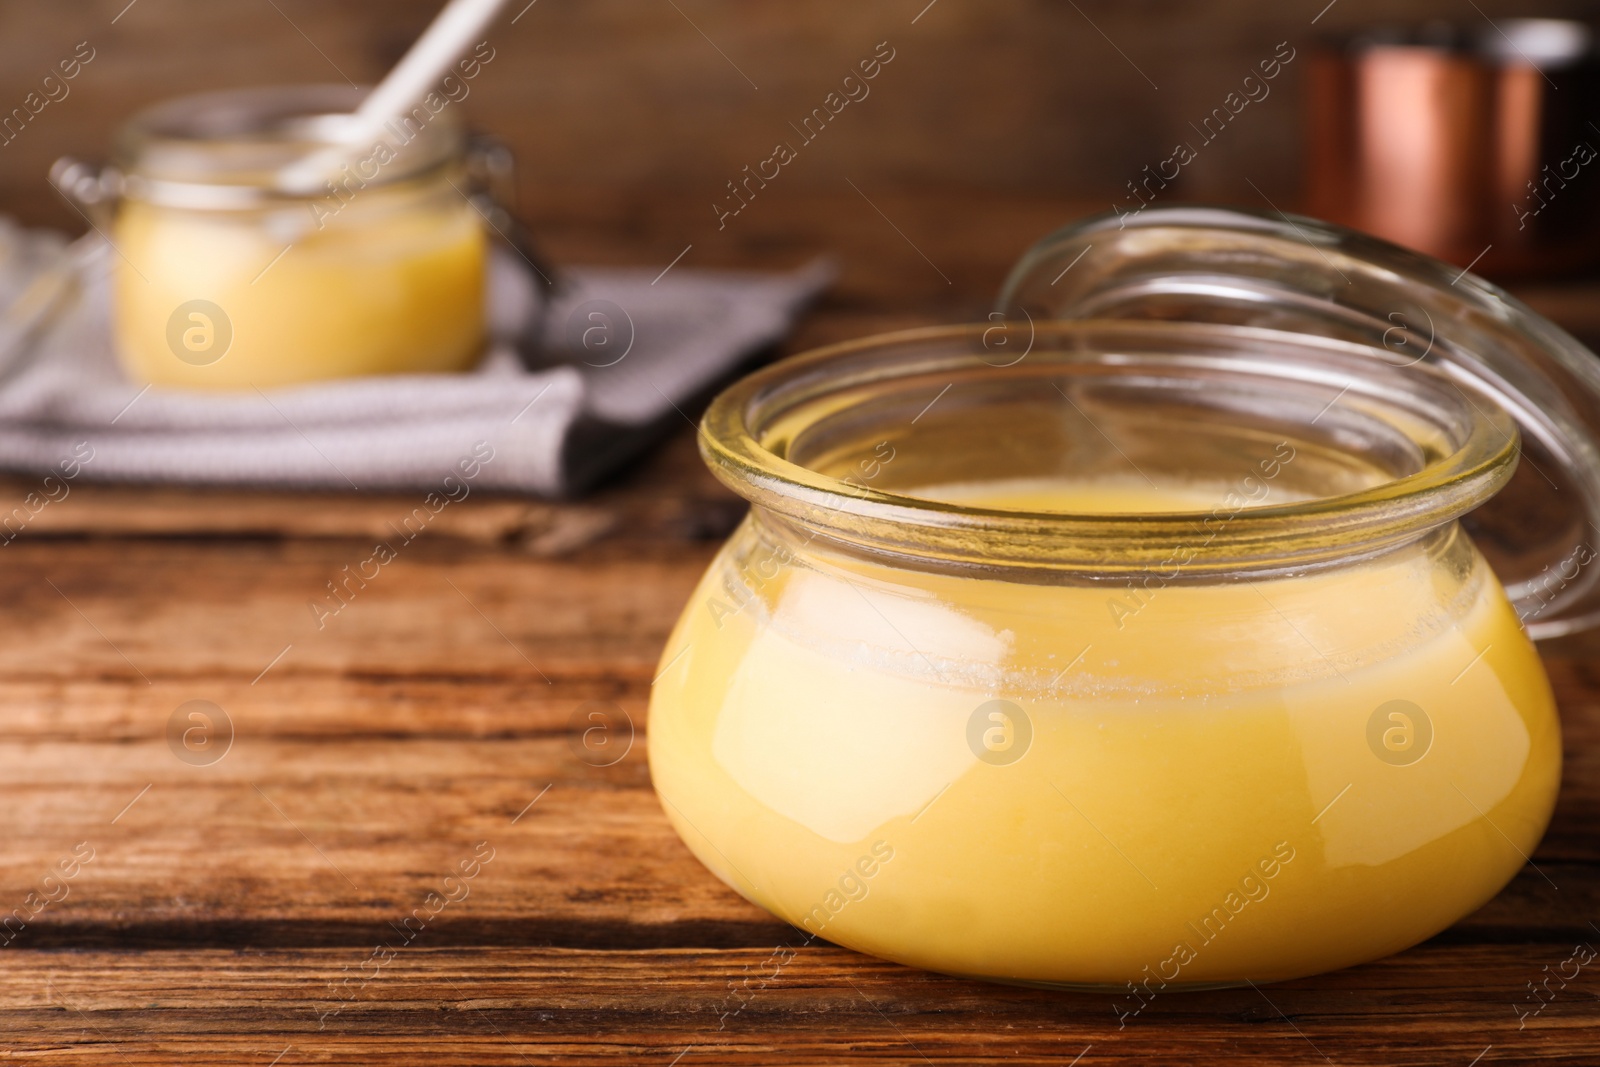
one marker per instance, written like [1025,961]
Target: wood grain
[372,755]
[1009,96]
[536,1005]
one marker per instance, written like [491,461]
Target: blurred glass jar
[1054,647]
[226,279]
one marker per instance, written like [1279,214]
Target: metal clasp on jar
[93,190]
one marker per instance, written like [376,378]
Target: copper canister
[1477,147]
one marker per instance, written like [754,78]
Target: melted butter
[376,290]
[820,713]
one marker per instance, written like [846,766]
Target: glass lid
[1298,275]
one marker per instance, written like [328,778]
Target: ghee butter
[1210,790]
[377,290]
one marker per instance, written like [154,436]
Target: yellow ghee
[234,300]
[1192,784]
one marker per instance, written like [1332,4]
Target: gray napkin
[658,341]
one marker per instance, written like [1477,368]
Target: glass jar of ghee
[1134,640]
[226,278]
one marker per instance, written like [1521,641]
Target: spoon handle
[445,39]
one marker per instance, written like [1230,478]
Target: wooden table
[230,910]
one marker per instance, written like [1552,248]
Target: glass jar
[225,277]
[1135,652]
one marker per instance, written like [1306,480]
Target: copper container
[1477,148]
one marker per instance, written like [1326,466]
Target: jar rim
[226,149]
[736,442]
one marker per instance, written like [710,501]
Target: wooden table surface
[228,911]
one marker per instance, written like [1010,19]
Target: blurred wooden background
[1029,96]
[630,116]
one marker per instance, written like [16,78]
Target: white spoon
[444,41]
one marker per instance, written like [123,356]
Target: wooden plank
[329,840]
[818,1004]
[140,611]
